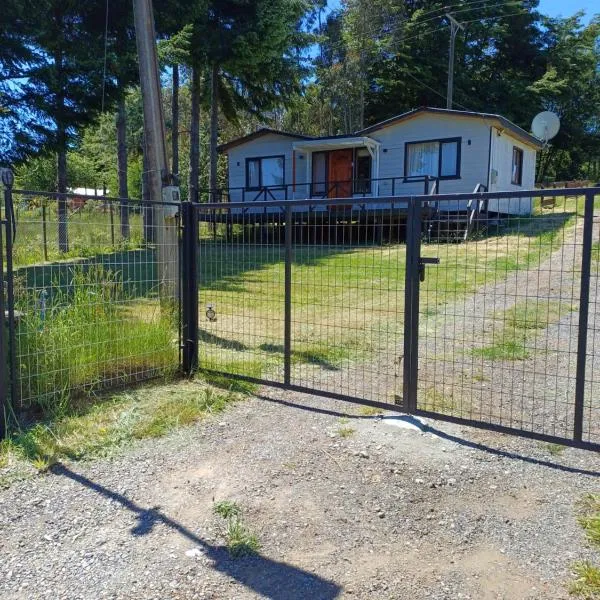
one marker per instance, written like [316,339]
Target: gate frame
[416,205]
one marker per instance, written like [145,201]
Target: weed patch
[586,583]
[515,329]
[241,541]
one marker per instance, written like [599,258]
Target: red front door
[339,183]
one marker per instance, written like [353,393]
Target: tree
[65,84]
[570,86]
[252,52]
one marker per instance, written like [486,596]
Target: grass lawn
[348,302]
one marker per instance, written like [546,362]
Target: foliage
[85,430]
[90,335]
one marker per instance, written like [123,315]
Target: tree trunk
[122,168]
[61,188]
[214,131]
[175,125]
[194,172]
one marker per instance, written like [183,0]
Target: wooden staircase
[457,226]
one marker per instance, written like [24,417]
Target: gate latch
[426,260]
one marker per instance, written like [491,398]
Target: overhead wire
[459,8]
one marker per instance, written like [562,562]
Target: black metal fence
[476,308]
[92,295]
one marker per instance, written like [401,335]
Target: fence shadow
[268,578]
[429,428]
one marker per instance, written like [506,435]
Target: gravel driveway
[386,512]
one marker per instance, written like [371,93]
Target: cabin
[423,151]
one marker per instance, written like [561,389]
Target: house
[426,150]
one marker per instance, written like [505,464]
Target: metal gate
[473,308]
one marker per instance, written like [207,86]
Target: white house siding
[269,144]
[501,173]
[423,127]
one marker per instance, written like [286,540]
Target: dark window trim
[312,171]
[355,179]
[260,183]
[520,154]
[440,141]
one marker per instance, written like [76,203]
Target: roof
[499,119]
[503,121]
[259,133]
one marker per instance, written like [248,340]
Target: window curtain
[423,159]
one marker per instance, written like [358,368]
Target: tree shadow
[313,357]
[268,578]
[211,338]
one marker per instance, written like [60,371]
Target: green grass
[227,509]
[586,583]
[344,430]
[554,449]
[369,411]
[240,540]
[89,233]
[348,302]
[89,339]
[515,329]
[99,429]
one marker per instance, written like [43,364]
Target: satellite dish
[545,125]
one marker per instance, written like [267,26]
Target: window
[517,166]
[266,171]
[319,173]
[362,171]
[436,158]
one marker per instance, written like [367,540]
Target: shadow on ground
[415,423]
[267,577]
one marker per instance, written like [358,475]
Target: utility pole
[158,177]
[454,27]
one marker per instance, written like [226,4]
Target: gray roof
[518,131]
[502,121]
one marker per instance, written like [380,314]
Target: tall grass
[89,232]
[91,337]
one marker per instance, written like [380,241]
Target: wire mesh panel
[499,316]
[95,294]
[241,272]
[347,300]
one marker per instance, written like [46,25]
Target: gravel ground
[444,512]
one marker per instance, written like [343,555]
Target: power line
[396,24]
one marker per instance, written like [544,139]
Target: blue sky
[565,8]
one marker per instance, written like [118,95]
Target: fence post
[287,324]
[7,181]
[189,287]
[4,397]
[411,305]
[584,304]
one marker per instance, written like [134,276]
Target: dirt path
[385,512]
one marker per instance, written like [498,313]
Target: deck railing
[351,188]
